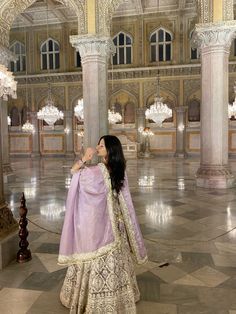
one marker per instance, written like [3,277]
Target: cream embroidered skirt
[102,286]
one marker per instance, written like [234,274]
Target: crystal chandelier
[80,133]
[145,131]
[50,113]
[28,127]
[232,108]
[158,111]
[7,83]
[114,117]
[79,110]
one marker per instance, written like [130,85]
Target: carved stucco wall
[205,10]
[9,9]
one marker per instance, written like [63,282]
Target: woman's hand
[88,154]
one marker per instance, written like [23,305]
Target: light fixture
[158,111]
[66,130]
[7,83]
[113,116]
[8,120]
[27,126]
[145,131]
[80,133]
[79,110]
[232,108]
[50,113]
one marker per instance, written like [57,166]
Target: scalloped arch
[9,9]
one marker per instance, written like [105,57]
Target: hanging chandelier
[79,110]
[28,127]
[158,111]
[114,117]
[7,83]
[145,131]
[50,113]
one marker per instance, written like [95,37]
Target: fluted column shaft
[35,135]
[4,138]
[214,41]
[95,52]
[68,116]
[180,131]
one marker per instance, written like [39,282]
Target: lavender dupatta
[90,229]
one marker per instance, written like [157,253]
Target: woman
[101,236]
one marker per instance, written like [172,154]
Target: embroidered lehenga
[100,277]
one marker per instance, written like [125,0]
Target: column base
[181,154]
[70,154]
[7,169]
[35,155]
[8,236]
[214,177]
[145,155]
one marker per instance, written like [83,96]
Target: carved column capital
[181,109]
[90,45]
[214,35]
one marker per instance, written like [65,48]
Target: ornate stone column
[68,118]
[180,131]
[214,41]
[7,170]
[95,52]
[5,57]
[8,238]
[35,135]
[140,123]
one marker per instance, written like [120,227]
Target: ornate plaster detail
[7,221]
[131,88]
[171,87]
[205,11]
[105,10]
[9,9]
[214,34]
[90,45]
[191,86]
[214,171]
[228,10]
[73,93]
[6,56]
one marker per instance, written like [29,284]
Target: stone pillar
[68,118]
[5,139]
[35,135]
[214,41]
[95,52]
[180,131]
[140,123]
[8,225]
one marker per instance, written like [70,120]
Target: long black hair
[116,163]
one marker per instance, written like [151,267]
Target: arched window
[129,114]
[194,111]
[19,50]
[123,43]
[77,60]
[194,52]
[161,45]
[50,55]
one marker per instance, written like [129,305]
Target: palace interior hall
[159,75]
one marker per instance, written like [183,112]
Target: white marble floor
[190,234]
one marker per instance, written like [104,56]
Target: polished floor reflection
[190,234]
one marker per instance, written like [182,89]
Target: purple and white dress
[100,242]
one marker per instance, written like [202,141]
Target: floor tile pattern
[190,234]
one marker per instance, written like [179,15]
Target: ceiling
[55,12]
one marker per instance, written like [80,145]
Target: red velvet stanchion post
[24,254]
